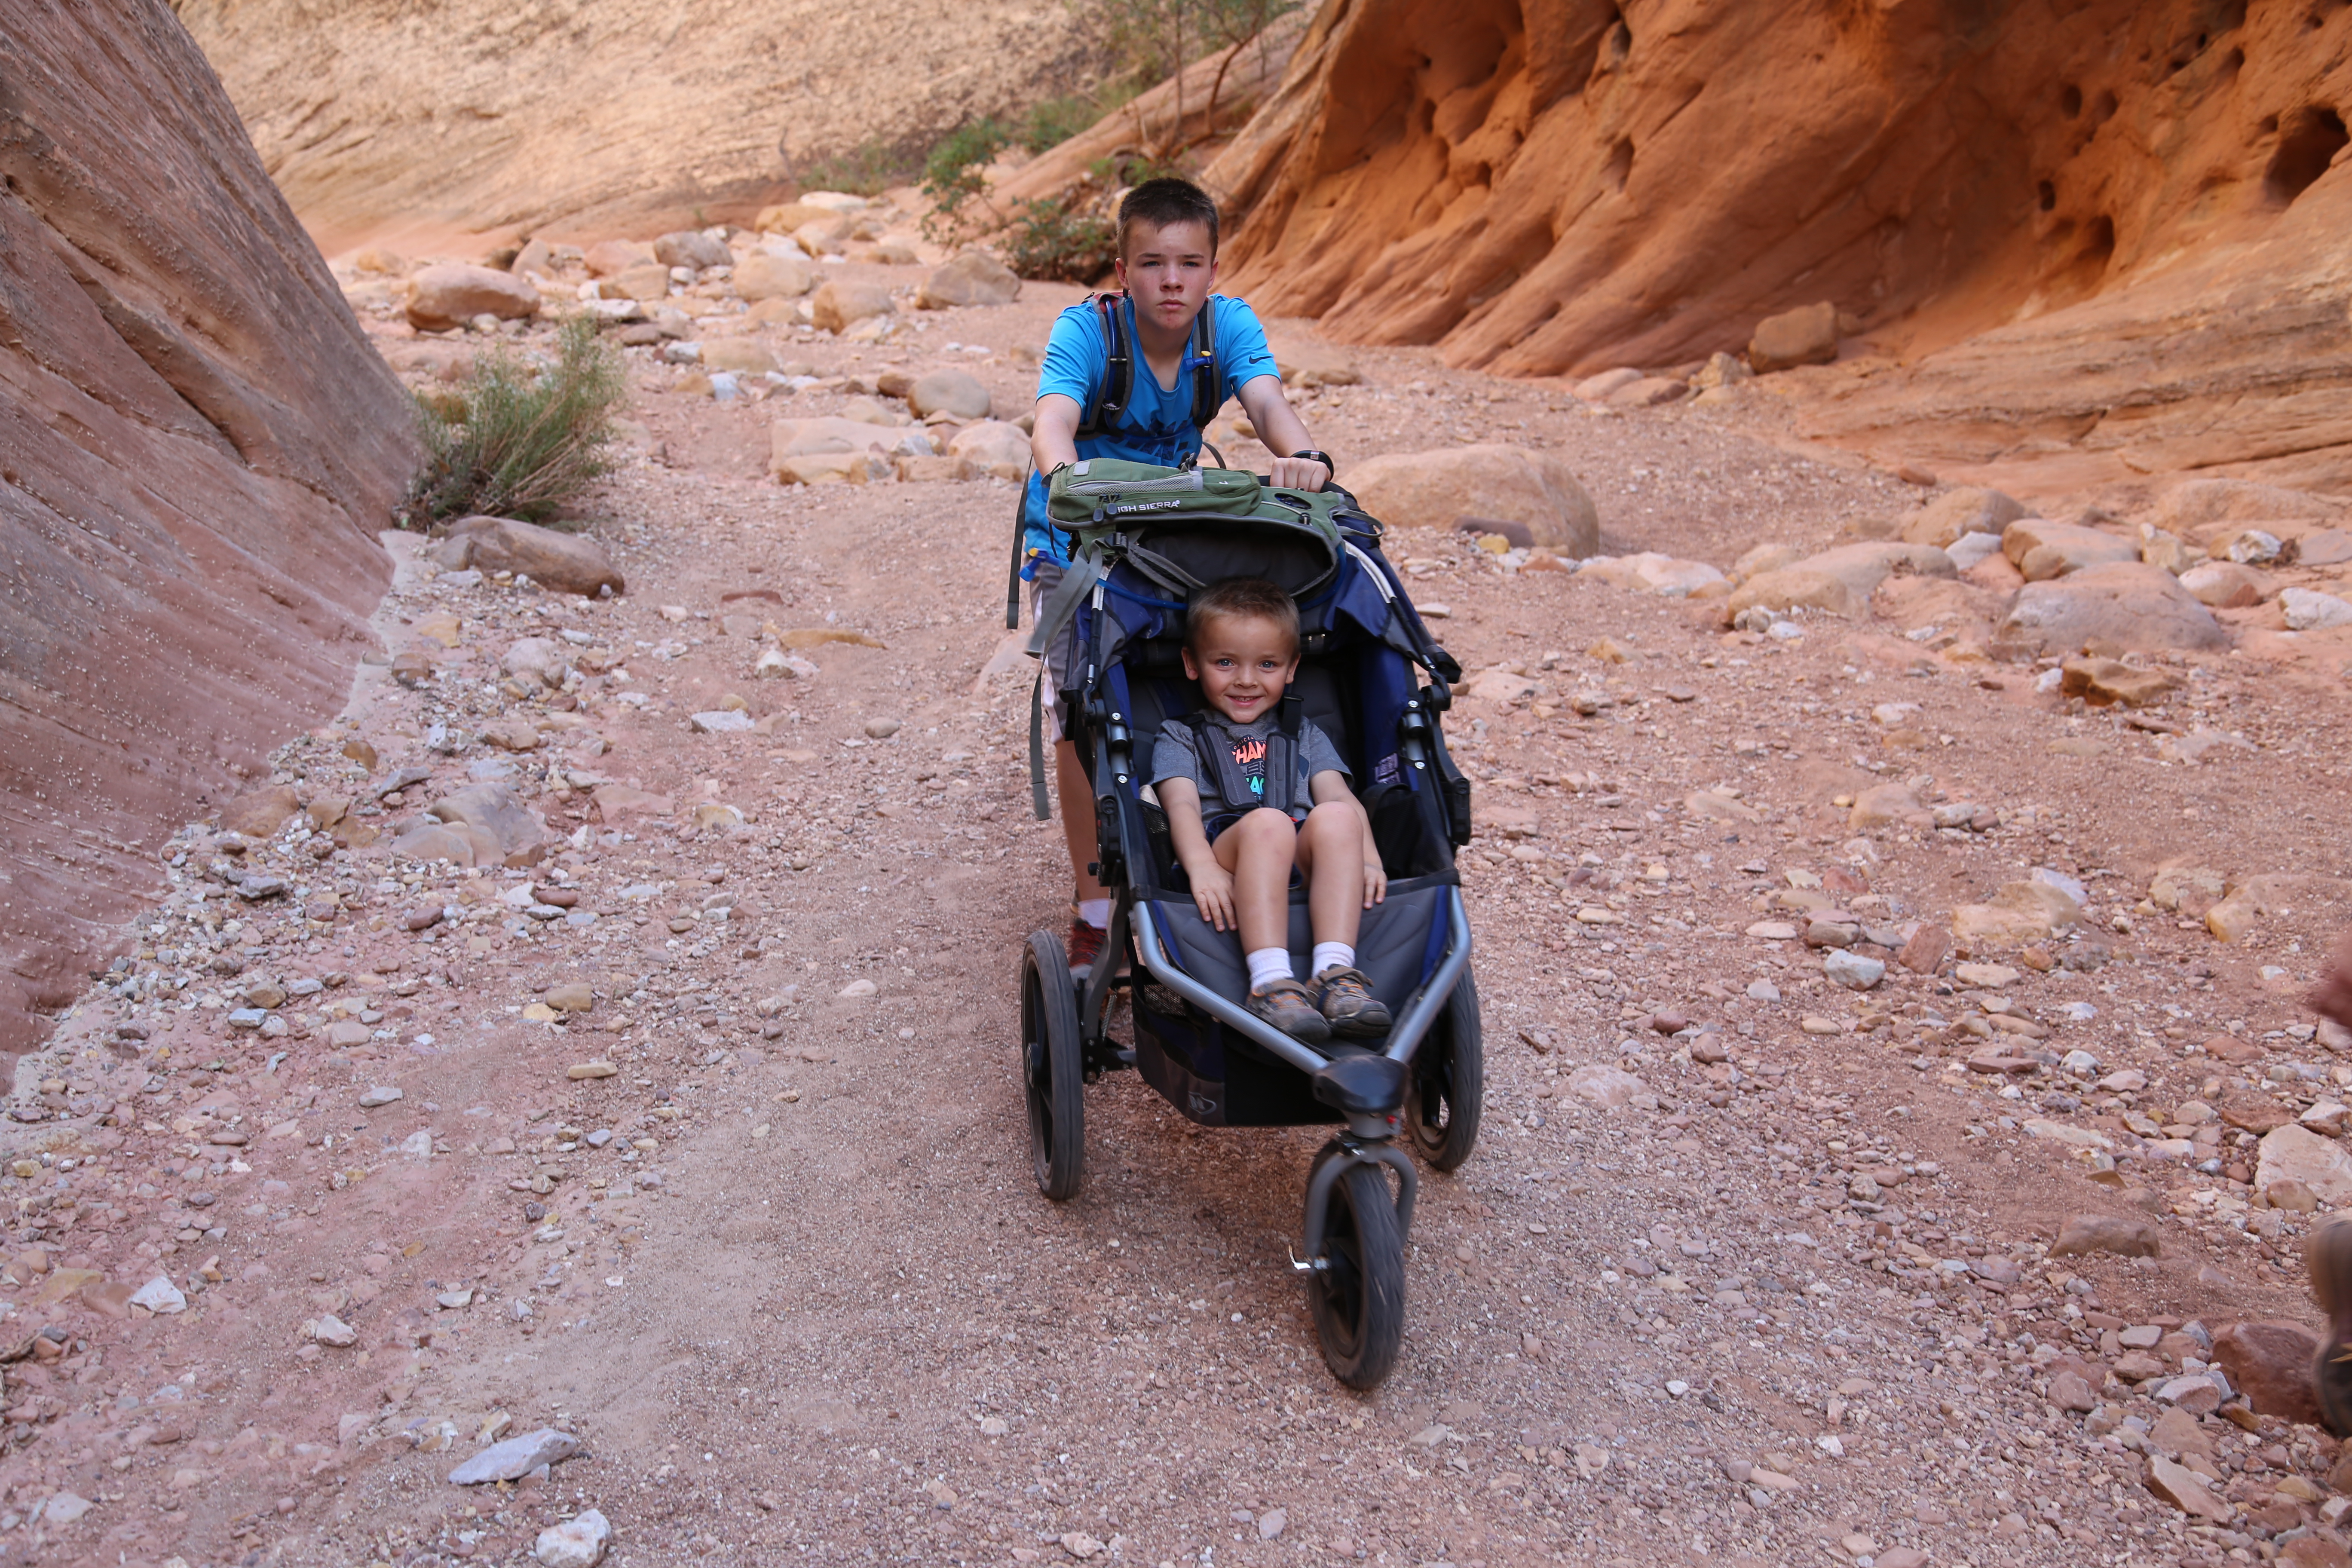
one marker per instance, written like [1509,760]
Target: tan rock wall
[196,444]
[595,116]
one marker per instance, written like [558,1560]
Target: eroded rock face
[485,115]
[2000,194]
[197,447]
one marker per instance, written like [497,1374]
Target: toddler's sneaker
[1344,996]
[1284,1004]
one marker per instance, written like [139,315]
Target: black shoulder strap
[1207,396]
[1214,743]
[1119,368]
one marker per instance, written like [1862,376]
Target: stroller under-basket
[1147,540]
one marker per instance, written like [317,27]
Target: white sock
[1268,965]
[1095,912]
[1331,955]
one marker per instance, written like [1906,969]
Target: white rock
[537,658]
[2308,610]
[577,1542]
[722,722]
[2293,1153]
[62,1508]
[160,1295]
[1852,970]
[330,1330]
[857,988]
[2326,1117]
[775,664]
[517,1458]
[1972,549]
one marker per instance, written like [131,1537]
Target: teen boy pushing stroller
[1180,376]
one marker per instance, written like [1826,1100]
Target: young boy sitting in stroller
[1251,794]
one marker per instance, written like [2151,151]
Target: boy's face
[1168,271]
[1243,664]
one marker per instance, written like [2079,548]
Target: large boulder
[564,562]
[1793,588]
[1001,450]
[952,392]
[199,446]
[743,356]
[1944,520]
[1650,573]
[2125,604]
[1862,567]
[1511,484]
[610,258]
[692,247]
[840,305]
[974,278]
[1806,335]
[769,275]
[2296,1153]
[440,298]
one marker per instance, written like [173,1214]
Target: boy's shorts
[1061,651]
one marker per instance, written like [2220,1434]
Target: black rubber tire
[1445,1093]
[1358,1303]
[1052,1068]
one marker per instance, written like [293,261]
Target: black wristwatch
[1323,458]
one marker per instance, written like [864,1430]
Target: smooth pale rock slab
[2226,584]
[160,1295]
[453,293]
[1512,484]
[517,1457]
[1793,588]
[956,393]
[722,722]
[974,278]
[2103,682]
[1862,567]
[2041,549]
[773,274]
[1806,335]
[567,562]
[1000,449]
[2126,604]
[2308,610]
[2296,1153]
[839,305]
[1650,573]
[1852,970]
[2184,1489]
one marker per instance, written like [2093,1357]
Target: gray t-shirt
[1174,758]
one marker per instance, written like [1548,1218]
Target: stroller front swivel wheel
[1356,1290]
[1052,1066]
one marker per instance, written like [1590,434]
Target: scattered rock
[1516,484]
[692,247]
[578,997]
[2041,550]
[158,1295]
[564,562]
[2180,1486]
[997,449]
[771,275]
[516,1458]
[2308,610]
[330,1330]
[952,392]
[1925,951]
[1888,806]
[1611,1088]
[721,721]
[974,278]
[450,295]
[2297,1153]
[1650,573]
[2226,584]
[838,306]
[260,813]
[2270,1364]
[2103,682]
[578,1543]
[1806,335]
[581,1071]
[382,1094]
[1790,588]
[1954,514]
[2086,1234]
[738,356]
[1852,970]
[2125,604]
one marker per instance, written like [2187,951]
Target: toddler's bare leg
[1333,837]
[1259,851]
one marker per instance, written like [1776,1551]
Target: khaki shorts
[1060,652]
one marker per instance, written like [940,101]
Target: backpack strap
[1119,368]
[1207,394]
[1212,742]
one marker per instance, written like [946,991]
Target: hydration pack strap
[1118,367]
[1215,743]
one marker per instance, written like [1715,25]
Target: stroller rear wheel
[1357,1299]
[1052,1066]
[1447,1087]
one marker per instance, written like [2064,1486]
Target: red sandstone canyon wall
[197,446]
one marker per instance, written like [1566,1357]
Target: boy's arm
[1213,885]
[1278,426]
[1056,440]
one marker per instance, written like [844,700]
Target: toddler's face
[1243,664]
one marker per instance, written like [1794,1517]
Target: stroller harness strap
[1283,787]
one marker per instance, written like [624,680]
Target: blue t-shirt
[1157,425]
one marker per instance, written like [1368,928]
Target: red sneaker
[1084,943]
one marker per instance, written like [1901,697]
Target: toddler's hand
[1376,884]
[1212,895]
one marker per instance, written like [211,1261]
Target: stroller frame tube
[1405,1037]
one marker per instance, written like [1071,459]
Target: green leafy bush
[1059,245]
[952,170]
[1057,120]
[518,439]
[868,169]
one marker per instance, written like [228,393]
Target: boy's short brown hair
[1163,201]
[1252,598]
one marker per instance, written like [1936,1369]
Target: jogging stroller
[1144,539]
